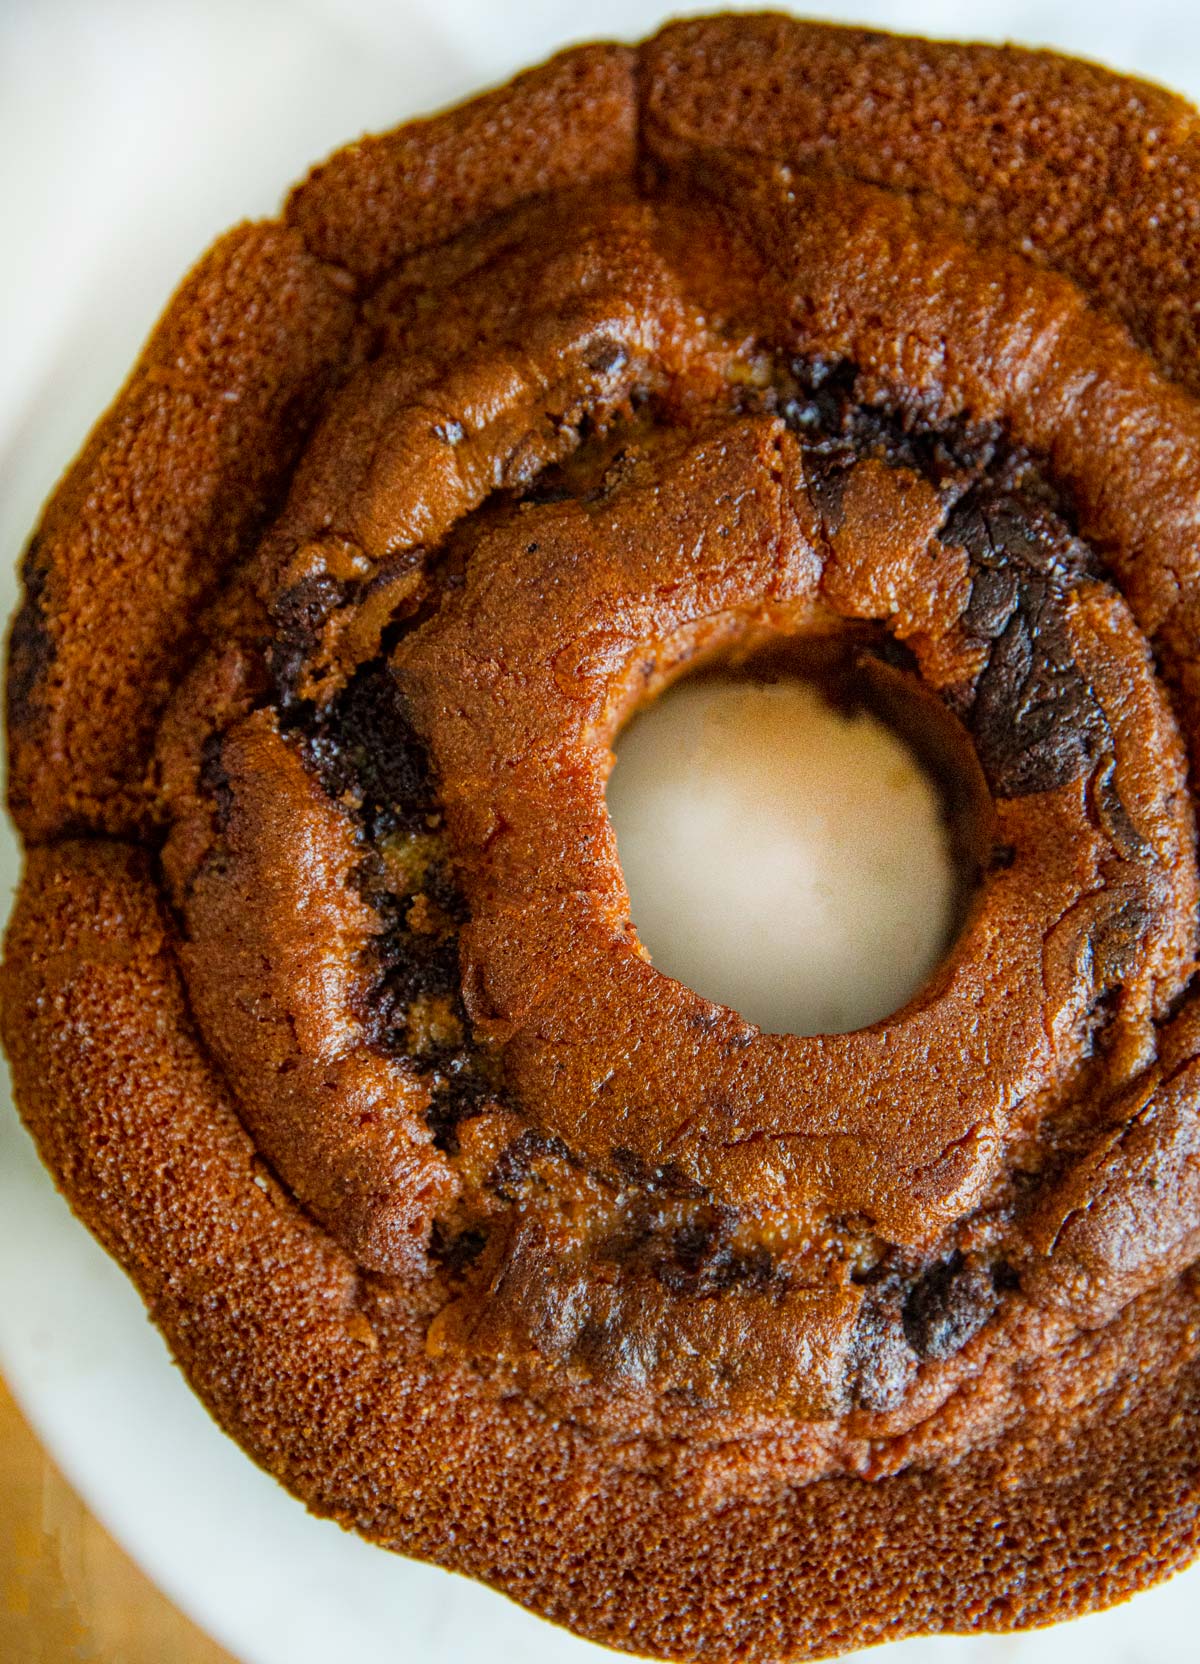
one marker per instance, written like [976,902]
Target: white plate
[127,126]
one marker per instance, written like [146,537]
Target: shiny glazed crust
[321,993]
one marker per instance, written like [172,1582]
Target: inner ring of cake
[571,613]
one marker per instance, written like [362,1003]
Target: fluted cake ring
[762,340]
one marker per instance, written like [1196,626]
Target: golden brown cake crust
[768,342]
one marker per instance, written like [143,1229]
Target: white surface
[130,135]
[781,857]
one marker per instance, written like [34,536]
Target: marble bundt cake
[764,342]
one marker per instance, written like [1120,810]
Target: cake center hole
[785,857]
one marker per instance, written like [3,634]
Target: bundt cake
[764,342]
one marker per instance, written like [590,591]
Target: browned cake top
[766,343]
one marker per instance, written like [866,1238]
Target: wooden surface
[67,1592]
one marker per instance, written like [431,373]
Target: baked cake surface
[763,342]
